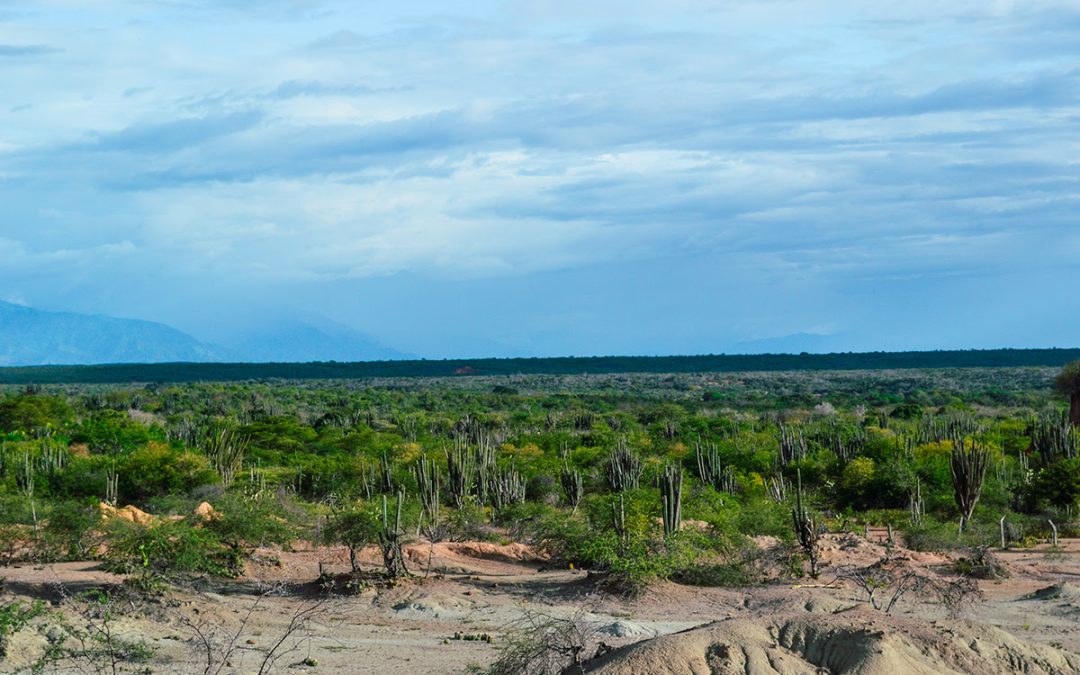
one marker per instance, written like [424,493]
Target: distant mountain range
[290,341]
[34,337]
[795,343]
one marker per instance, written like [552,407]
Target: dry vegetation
[873,522]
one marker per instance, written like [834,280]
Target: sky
[526,178]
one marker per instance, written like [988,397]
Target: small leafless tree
[219,647]
[883,583]
[887,581]
[544,644]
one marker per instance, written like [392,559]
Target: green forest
[231,372]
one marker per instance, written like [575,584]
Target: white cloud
[788,142]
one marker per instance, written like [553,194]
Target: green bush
[255,522]
[29,413]
[762,516]
[170,549]
[159,470]
[1058,485]
[111,432]
[70,530]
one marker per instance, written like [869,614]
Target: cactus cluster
[671,498]
[793,446]
[916,507]
[387,484]
[225,447]
[623,469]
[941,428]
[428,482]
[711,470]
[846,442]
[968,465]
[507,487]
[573,484]
[1053,437]
[776,487]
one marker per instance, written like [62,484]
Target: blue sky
[547,178]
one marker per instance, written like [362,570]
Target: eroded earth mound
[851,641]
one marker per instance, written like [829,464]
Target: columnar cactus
[572,484]
[805,529]
[710,469]
[618,519]
[915,503]
[792,445]
[623,469]
[428,483]
[461,473]
[225,448]
[968,467]
[390,540]
[386,475]
[1053,437]
[507,487]
[776,487]
[671,498]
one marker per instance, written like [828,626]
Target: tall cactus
[618,520]
[710,469]
[225,448]
[805,529]
[572,484]
[386,475]
[428,483]
[967,465]
[776,488]
[507,487]
[486,470]
[793,445]
[623,469]
[671,498]
[24,478]
[390,541]
[915,503]
[461,473]
[112,485]
[1053,437]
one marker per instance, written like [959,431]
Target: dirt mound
[487,551]
[854,641]
[205,512]
[129,513]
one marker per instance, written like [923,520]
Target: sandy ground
[476,588]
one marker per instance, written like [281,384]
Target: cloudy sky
[550,177]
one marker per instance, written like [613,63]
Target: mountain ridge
[32,337]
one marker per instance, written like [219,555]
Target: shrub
[255,522]
[980,563]
[469,522]
[541,644]
[740,569]
[29,413]
[762,516]
[170,550]
[69,532]
[111,432]
[1058,484]
[158,470]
